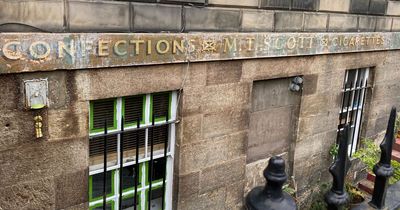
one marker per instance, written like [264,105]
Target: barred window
[353,100]
[131,141]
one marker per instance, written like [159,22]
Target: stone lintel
[28,52]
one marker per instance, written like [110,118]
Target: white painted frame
[359,108]
[156,154]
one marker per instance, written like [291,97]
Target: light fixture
[296,84]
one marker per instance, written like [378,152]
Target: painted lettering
[230,46]
[69,50]
[160,49]
[178,46]
[103,48]
[117,47]
[12,54]
[34,50]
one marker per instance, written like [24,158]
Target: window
[131,151]
[354,91]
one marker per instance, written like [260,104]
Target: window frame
[142,121]
[93,130]
[119,111]
[356,126]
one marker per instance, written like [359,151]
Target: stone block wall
[199,15]
[211,170]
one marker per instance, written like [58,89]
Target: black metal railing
[155,136]
[352,108]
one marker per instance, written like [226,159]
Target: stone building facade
[232,107]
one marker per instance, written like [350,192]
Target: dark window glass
[160,135]
[130,138]
[158,169]
[128,177]
[98,183]
[129,203]
[156,199]
[103,110]
[160,104]
[133,109]
[96,145]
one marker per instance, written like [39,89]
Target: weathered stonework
[212,136]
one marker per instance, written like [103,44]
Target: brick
[393,8]
[223,97]
[396,24]
[156,17]
[257,21]
[73,154]
[31,14]
[270,133]
[342,23]
[87,16]
[211,200]
[146,79]
[189,184]
[192,101]
[359,6]
[318,123]
[82,206]
[219,175]
[289,21]
[248,3]
[385,90]
[68,123]
[281,4]
[10,97]
[366,23]
[16,128]
[212,151]
[304,4]
[212,19]
[234,194]
[224,72]
[315,22]
[377,7]
[71,189]
[32,194]
[197,74]
[383,24]
[336,6]
[191,127]
[318,103]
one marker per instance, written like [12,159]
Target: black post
[121,162]
[271,196]
[105,166]
[137,163]
[337,195]
[383,169]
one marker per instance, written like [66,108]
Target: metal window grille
[135,154]
[353,100]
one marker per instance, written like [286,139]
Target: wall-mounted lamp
[296,84]
[36,98]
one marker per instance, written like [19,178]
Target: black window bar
[353,101]
[122,145]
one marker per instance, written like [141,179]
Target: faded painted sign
[28,52]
